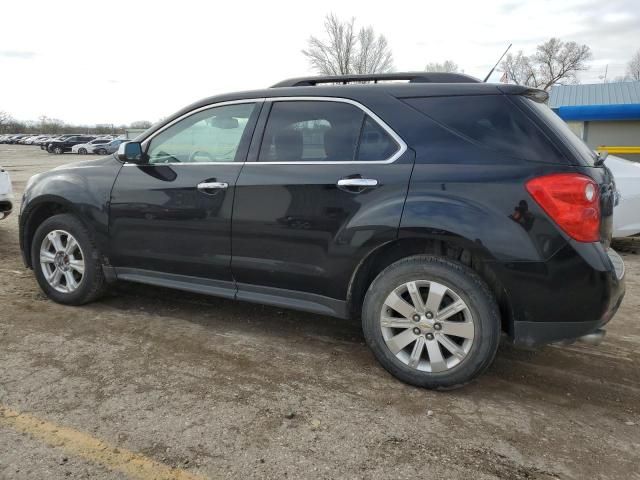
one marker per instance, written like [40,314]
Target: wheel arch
[37,212]
[441,243]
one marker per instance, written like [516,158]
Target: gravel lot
[211,388]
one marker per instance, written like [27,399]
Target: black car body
[64,145]
[435,171]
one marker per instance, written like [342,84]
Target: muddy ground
[224,389]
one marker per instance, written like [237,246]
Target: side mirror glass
[131,152]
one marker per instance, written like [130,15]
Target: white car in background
[6,194]
[88,147]
[626,215]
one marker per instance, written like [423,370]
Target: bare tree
[554,62]
[344,52]
[140,124]
[5,120]
[633,67]
[448,66]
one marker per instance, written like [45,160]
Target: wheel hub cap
[62,261]
[427,326]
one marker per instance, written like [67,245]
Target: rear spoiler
[534,94]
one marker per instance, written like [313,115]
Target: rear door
[326,185]
[171,218]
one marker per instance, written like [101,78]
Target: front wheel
[82,151]
[58,150]
[66,261]
[431,322]
[101,151]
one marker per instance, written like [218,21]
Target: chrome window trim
[401,150]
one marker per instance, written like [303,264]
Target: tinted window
[491,121]
[212,135]
[563,130]
[311,131]
[375,142]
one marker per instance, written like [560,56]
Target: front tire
[82,151]
[102,151]
[431,322]
[66,261]
[58,150]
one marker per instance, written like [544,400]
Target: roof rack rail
[412,77]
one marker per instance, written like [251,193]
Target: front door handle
[204,186]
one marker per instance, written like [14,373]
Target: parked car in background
[62,146]
[110,147]
[84,148]
[46,143]
[442,212]
[6,194]
[626,215]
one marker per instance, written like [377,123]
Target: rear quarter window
[492,122]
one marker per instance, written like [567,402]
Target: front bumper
[571,295]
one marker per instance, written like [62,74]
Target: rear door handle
[358,182]
[204,186]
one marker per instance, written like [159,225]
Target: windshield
[563,131]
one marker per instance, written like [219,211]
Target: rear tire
[101,151]
[66,261]
[82,151]
[58,150]
[423,350]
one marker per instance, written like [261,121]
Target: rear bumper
[574,294]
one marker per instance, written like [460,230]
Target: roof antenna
[494,67]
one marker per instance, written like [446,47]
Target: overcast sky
[120,61]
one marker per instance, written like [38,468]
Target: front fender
[83,189]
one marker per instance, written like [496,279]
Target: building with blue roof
[602,114]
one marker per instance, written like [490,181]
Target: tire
[58,150]
[82,151]
[92,284]
[461,286]
[101,151]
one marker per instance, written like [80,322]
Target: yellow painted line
[132,464]
[619,149]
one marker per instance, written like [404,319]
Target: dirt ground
[210,388]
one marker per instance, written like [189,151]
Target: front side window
[322,131]
[213,135]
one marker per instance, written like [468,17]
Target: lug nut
[429,315]
[437,326]
[429,336]
[416,331]
[416,318]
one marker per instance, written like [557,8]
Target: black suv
[63,145]
[441,211]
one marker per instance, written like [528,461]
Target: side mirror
[131,152]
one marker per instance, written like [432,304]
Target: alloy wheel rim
[62,261]
[427,326]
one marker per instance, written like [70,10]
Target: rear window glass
[493,122]
[561,129]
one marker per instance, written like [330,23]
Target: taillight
[572,201]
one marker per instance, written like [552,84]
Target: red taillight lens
[572,201]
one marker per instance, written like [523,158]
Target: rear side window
[323,131]
[493,122]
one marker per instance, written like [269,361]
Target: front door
[170,219]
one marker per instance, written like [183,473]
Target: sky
[88,62]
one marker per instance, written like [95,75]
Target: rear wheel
[58,150]
[66,261]
[101,151]
[431,322]
[82,151]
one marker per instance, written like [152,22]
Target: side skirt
[278,297]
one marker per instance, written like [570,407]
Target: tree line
[46,125]
[344,49]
